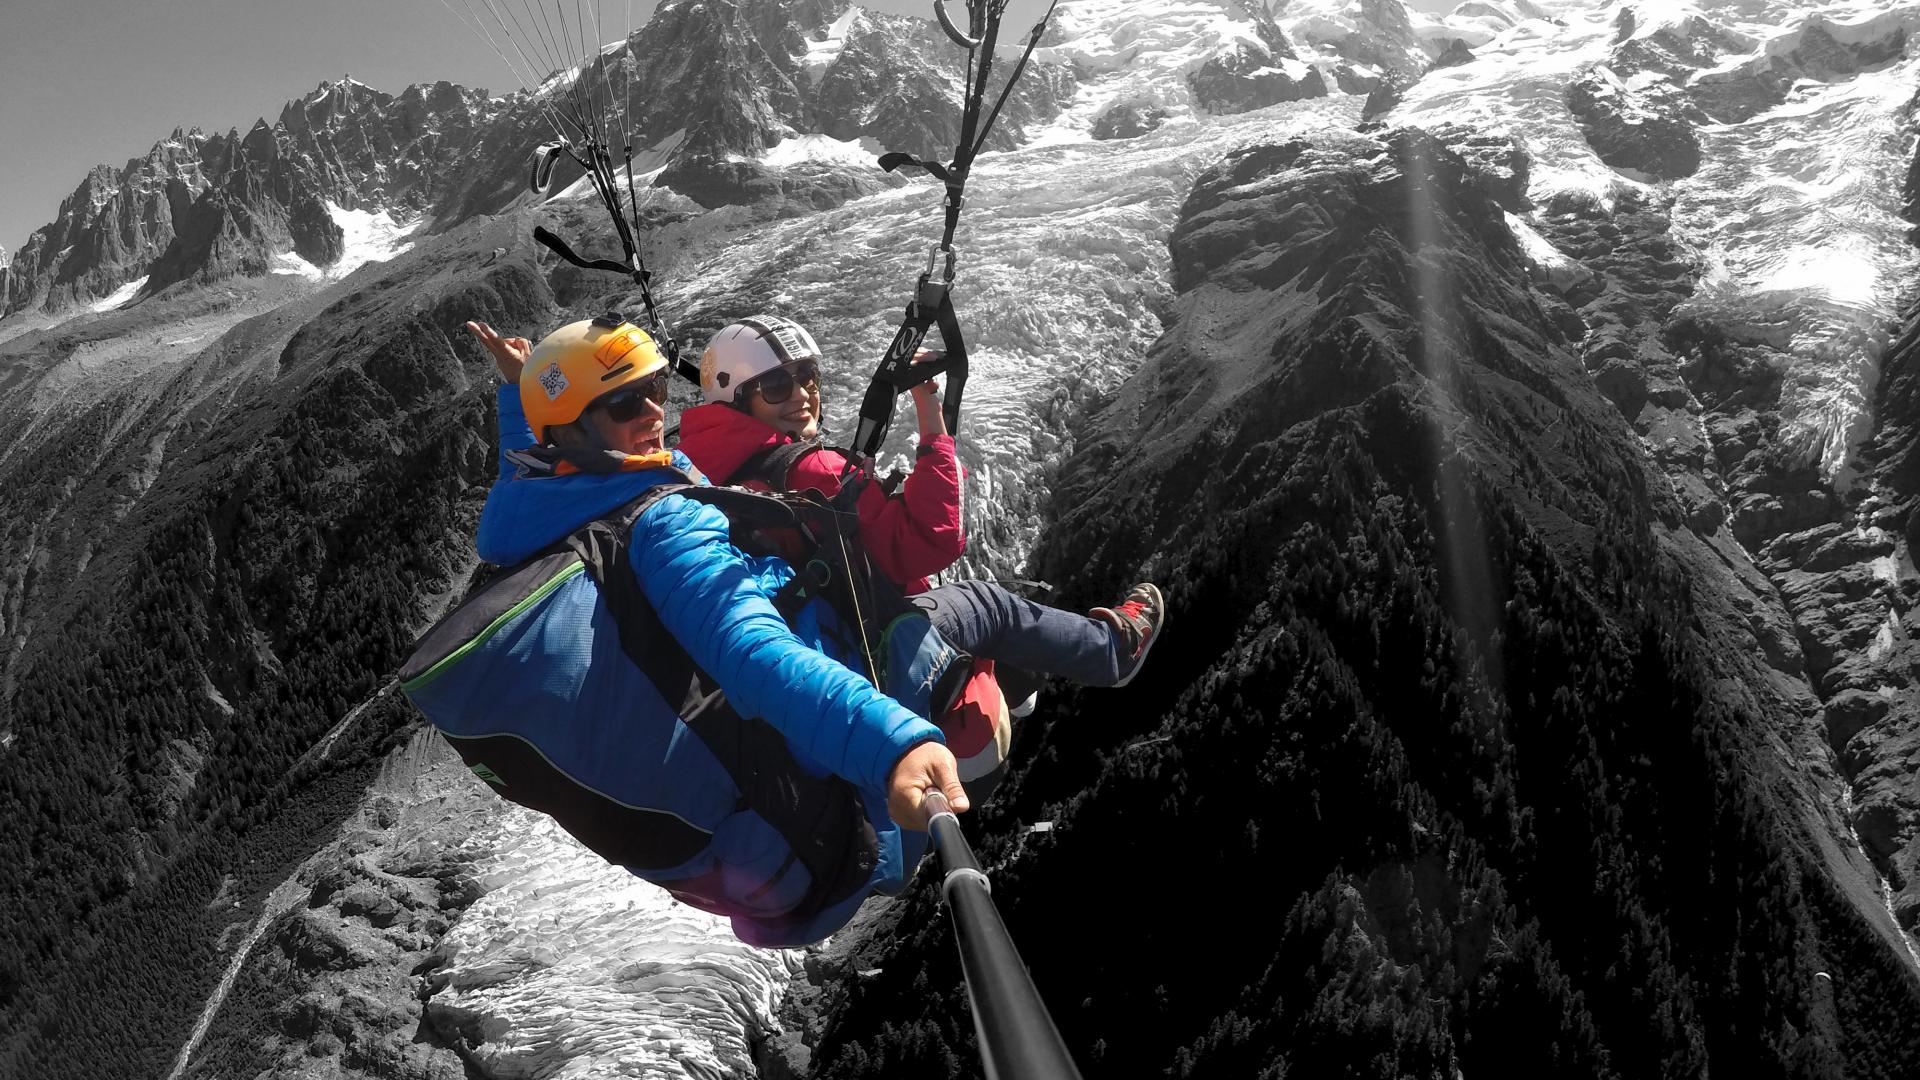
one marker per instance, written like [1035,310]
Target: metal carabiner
[933,259]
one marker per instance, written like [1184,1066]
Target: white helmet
[750,348]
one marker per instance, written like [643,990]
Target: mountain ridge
[1525,629]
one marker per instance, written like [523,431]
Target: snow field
[1793,213]
[577,968]
[368,236]
[121,295]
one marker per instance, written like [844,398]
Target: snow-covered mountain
[1518,400]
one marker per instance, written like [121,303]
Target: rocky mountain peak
[260,143]
[713,83]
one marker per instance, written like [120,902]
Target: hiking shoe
[1136,622]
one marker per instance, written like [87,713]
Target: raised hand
[509,353]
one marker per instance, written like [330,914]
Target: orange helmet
[579,362]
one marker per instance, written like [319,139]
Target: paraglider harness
[821,818]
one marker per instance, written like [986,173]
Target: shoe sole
[1153,639]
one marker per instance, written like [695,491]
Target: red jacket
[910,535]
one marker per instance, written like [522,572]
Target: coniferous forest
[203,695]
[1438,771]
[1446,766]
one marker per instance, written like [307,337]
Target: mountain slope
[1529,467]
[1428,784]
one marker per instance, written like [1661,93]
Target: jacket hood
[720,439]
[525,514]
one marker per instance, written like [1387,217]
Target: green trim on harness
[886,635]
[493,627]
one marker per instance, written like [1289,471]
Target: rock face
[1754,440]
[915,112]
[1128,120]
[260,206]
[1811,53]
[336,984]
[1414,541]
[204,207]
[721,82]
[113,224]
[1650,132]
[1252,76]
[1456,54]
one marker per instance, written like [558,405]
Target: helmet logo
[552,380]
[787,339]
[618,345]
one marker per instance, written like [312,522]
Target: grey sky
[100,81]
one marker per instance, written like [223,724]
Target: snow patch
[370,236]
[1556,267]
[286,262]
[1883,640]
[821,54]
[121,295]
[567,960]
[647,164]
[1139,50]
[822,148]
[366,235]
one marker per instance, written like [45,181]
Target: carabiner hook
[953,32]
[544,157]
[933,259]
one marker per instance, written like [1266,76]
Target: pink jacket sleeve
[912,534]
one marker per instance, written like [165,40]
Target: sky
[100,82]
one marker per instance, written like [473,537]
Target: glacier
[1795,213]
[576,969]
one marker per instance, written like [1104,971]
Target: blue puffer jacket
[716,601]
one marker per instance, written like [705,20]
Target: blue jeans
[987,621]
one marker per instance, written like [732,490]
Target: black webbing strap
[932,302]
[770,466]
[1033,40]
[662,333]
[898,373]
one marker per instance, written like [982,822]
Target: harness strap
[898,373]
[822,819]
[771,465]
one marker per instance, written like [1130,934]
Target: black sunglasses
[776,386]
[629,401]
